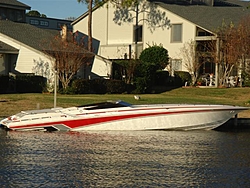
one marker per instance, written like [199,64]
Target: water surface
[125,159]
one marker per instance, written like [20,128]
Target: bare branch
[67,55]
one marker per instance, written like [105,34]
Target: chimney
[64,32]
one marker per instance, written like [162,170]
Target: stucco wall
[115,39]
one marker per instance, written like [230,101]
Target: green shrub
[181,77]
[30,84]
[246,79]
[116,86]
[155,55]
[161,78]
[82,86]
[97,86]
[4,83]
[141,85]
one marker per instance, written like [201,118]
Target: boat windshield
[108,104]
[21,114]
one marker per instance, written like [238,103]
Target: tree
[154,17]
[35,13]
[129,10]
[231,49]
[90,4]
[152,59]
[68,55]
[125,70]
[155,55]
[190,59]
[243,41]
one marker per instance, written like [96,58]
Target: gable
[4,48]
[27,34]
[200,13]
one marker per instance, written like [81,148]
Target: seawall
[236,123]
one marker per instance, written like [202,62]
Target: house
[21,48]
[170,23]
[22,44]
[13,10]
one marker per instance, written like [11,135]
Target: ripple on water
[124,159]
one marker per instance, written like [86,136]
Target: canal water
[124,159]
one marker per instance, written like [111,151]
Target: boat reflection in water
[119,115]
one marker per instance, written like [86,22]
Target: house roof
[7,48]
[14,4]
[210,17]
[27,34]
[205,16]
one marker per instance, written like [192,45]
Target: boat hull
[205,120]
[140,117]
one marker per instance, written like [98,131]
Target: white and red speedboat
[119,115]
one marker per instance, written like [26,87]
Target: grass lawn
[13,103]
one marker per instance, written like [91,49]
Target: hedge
[22,84]
[98,86]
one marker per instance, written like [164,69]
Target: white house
[169,23]
[26,44]
[22,45]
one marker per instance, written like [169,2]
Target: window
[3,14]
[138,33]
[176,33]
[11,14]
[44,23]
[20,16]
[176,64]
[34,22]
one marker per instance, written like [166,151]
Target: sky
[60,9]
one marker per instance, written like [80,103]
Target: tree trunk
[90,27]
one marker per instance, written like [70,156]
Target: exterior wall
[29,60]
[163,36]
[115,39]
[102,67]
[99,21]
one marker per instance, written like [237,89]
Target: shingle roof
[5,47]
[27,34]
[210,17]
[13,3]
